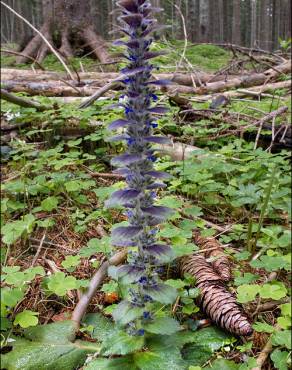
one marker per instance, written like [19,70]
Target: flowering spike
[137,166]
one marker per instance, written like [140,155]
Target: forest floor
[234,185]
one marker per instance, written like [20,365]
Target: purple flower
[137,166]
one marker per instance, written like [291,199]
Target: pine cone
[216,301]
[220,263]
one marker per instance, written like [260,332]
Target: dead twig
[39,249]
[100,92]
[95,282]
[264,354]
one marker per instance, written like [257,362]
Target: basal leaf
[125,362]
[163,326]
[121,343]
[125,312]
[48,347]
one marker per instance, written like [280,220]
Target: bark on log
[241,81]
[185,79]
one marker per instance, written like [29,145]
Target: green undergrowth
[49,190]
[208,58]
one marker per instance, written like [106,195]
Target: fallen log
[240,81]
[187,79]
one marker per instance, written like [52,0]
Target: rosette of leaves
[136,164]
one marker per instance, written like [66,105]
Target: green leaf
[102,327]
[48,347]
[59,283]
[162,293]
[247,293]
[14,230]
[125,362]
[163,326]
[176,283]
[286,309]
[242,256]
[26,318]
[193,211]
[11,296]
[282,338]
[263,327]
[171,202]
[121,343]
[245,279]
[71,261]
[73,185]
[49,203]
[125,312]
[284,322]
[222,364]
[280,359]
[184,249]
[275,290]
[272,263]
[95,246]
[205,343]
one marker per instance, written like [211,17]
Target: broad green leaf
[26,319]
[263,327]
[163,326]
[272,263]
[59,283]
[247,293]
[282,338]
[121,343]
[247,278]
[102,327]
[125,312]
[73,185]
[284,322]
[95,246]
[48,347]
[193,211]
[205,343]
[275,290]
[223,364]
[125,362]
[49,203]
[162,293]
[12,231]
[71,261]
[11,296]
[280,359]
[286,309]
[176,283]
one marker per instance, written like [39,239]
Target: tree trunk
[68,24]
[253,31]
[236,23]
[204,20]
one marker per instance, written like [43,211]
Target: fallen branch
[264,354]
[23,102]
[109,86]
[95,282]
